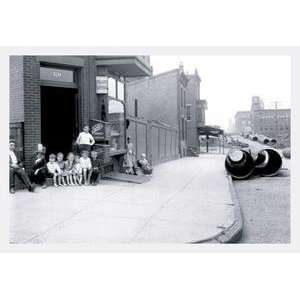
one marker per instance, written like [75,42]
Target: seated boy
[96,168]
[53,169]
[38,172]
[86,165]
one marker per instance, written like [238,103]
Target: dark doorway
[59,111]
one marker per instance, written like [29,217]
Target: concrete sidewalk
[187,200]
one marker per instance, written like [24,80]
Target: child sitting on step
[62,165]
[86,166]
[69,169]
[53,169]
[96,168]
[77,171]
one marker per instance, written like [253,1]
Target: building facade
[161,98]
[243,122]
[53,97]
[273,123]
[195,112]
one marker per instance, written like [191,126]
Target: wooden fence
[159,142]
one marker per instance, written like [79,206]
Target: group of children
[84,169]
[75,170]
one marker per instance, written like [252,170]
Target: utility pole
[276,119]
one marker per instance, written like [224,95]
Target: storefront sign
[101,84]
[100,130]
[56,74]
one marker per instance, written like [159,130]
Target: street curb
[232,233]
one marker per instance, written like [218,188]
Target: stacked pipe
[263,139]
[241,164]
[253,137]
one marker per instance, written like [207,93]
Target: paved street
[187,200]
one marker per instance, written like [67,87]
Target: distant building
[273,123]
[242,121]
[257,103]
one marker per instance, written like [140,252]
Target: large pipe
[239,164]
[263,139]
[253,137]
[268,162]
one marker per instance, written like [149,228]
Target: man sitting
[16,168]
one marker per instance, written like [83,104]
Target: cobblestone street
[265,205]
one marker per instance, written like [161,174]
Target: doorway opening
[59,118]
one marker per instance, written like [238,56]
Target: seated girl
[62,165]
[77,171]
[69,165]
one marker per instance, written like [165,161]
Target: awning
[128,66]
[210,130]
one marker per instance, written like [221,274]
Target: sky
[229,82]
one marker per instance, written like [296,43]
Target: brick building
[52,97]
[195,112]
[273,123]
[169,98]
[242,122]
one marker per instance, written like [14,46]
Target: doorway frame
[71,85]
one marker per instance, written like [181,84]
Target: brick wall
[16,89]
[157,98]
[192,95]
[32,107]
[273,124]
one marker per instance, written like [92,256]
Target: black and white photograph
[149,150]
[131,149]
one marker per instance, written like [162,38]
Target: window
[116,116]
[188,112]
[181,97]
[112,92]
[136,108]
[182,128]
[116,89]
[121,95]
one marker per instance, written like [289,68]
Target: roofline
[272,109]
[152,77]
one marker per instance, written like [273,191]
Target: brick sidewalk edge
[233,233]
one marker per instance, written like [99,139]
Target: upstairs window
[188,112]
[112,92]
[120,91]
